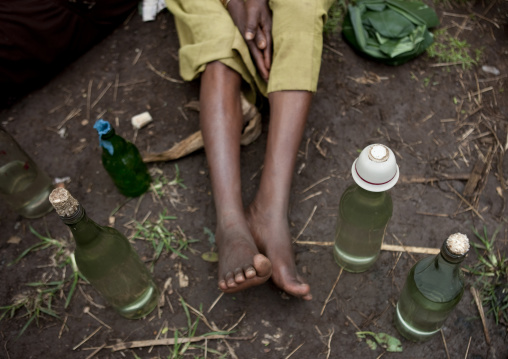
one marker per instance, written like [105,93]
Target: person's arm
[254,20]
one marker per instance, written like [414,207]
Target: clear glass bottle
[122,161]
[106,259]
[365,209]
[23,186]
[433,288]
[361,226]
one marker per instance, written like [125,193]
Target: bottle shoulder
[438,281]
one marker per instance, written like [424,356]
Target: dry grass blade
[384,247]
[466,202]
[294,351]
[171,341]
[331,291]
[306,223]
[87,338]
[479,306]
[96,351]
[164,76]
[445,346]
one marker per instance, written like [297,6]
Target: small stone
[141,120]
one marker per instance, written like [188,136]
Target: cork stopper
[458,244]
[65,205]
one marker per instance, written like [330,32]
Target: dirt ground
[439,120]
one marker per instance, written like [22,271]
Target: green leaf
[391,344]
[390,31]
[210,257]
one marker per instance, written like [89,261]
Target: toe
[239,277]
[249,271]
[230,280]
[262,265]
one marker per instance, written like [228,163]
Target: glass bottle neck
[83,229]
[363,192]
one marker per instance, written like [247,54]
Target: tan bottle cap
[65,205]
[458,244]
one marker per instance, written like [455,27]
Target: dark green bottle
[107,260]
[122,161]
[433,288]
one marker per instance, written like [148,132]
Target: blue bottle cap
[103,127]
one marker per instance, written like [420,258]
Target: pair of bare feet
[254,246]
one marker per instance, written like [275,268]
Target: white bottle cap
[376,169]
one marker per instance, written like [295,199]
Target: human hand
[254,20]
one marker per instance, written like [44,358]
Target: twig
[490,88]
[294,351]
[171,341]
[101,95]
[479,306]
[96,351]
[433,214]
[354,324]
[231,351]
[330,344]
[486,19]
[237,322]
[306,223]
[316,183]
[215,302]
[467,350]
[384,247]
[164,325]
[63,327]
[409,249]
[331,291]
[466,201]
[443,177]
[311,196]
[445,346]
[442,64]
[333,50]
[404,247]
[396,262]
[115,92]
[87,311]
[89,94]
[87,338]
[165,77]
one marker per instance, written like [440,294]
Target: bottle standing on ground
[122,161]
[107,260]
[23,186]
[365,209]
[433,288]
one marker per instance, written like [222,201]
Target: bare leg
[267,215]
[240,263]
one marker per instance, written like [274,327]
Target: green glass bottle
[365,209]
[434,286]
[23,185]
[122,161]
[361,226]
[107,260]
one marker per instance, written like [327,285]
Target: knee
[299,15]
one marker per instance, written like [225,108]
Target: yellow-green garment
[207,33]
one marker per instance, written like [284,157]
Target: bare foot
[272,237]
[241,265]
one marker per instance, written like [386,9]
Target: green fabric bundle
[390,31]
